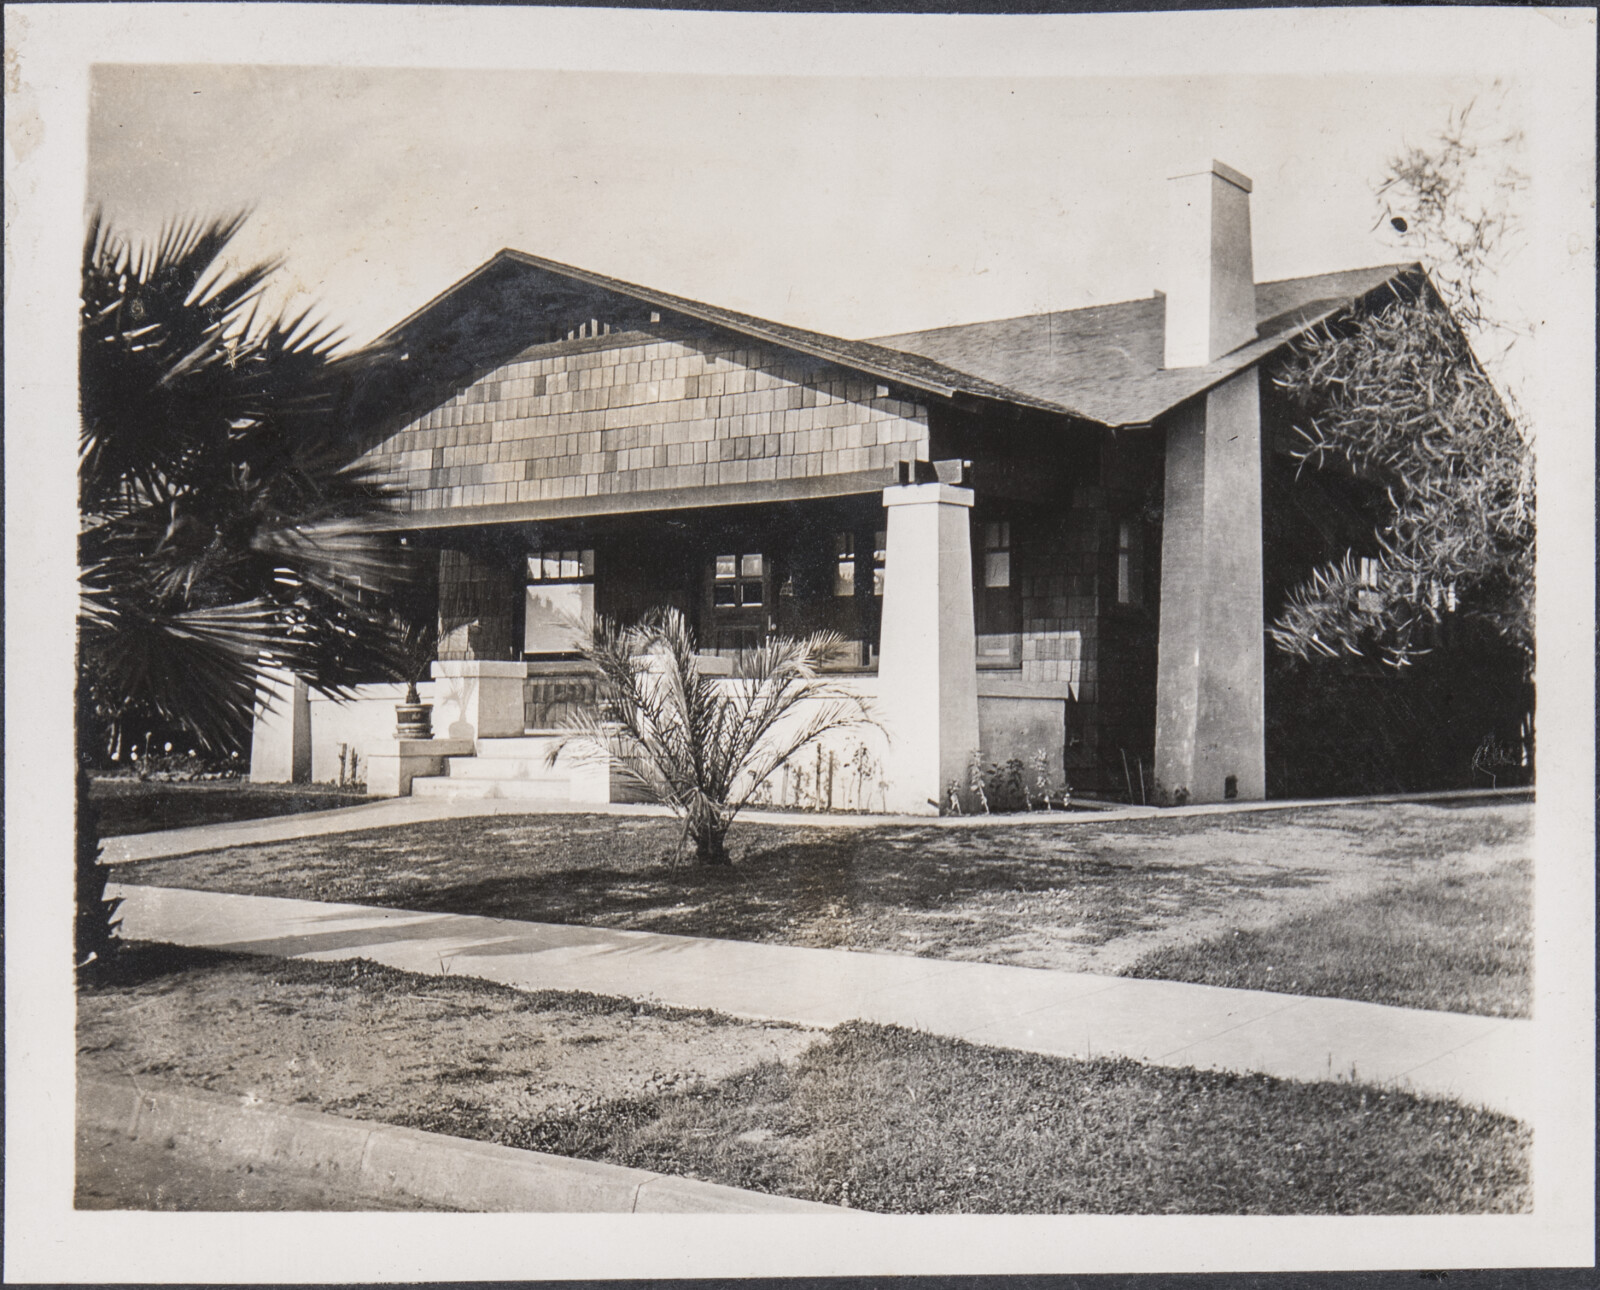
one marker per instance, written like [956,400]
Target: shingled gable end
[991,515]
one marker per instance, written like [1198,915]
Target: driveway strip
[1486,1061]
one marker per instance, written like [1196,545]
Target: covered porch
[938,595]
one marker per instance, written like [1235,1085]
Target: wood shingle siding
[636,412]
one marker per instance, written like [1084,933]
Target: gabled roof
[1099,364]
[516,285]
[1104,363]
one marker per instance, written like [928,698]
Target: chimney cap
[1222,171]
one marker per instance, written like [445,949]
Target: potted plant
[413,719]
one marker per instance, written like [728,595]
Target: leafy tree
[223,526]
[701,744]
[1397,395]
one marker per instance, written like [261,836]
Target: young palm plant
[702,744]
[223,527]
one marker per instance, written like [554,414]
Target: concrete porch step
[509,768]
[462,789]
[529,747]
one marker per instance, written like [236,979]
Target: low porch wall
[1022,721]
[364,723]
[844,771]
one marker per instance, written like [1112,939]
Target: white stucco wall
[364,722]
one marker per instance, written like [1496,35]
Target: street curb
[383,1160]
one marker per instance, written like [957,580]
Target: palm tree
[223,526]
[700,744]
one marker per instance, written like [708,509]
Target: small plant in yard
[704,745]
[349,767]
[976,778]
[1046,784]
[1003,788]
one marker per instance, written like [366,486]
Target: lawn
[1152,896]
[876,1117]
[1455,942]
[128,805]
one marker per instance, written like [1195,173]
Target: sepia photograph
[643,624]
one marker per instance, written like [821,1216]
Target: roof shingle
[1104,363]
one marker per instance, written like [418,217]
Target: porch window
[997,605]
[997,554]
[740,597]
[561,566]
[1130,558]
[739,581]
[558,603]
[848,571]
[844,569]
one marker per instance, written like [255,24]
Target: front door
[739,601]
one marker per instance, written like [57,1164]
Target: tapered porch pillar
[1210,705]
[927,665]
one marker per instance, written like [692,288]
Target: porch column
[280,739]
[927,662]
[1210,722]
[478,698]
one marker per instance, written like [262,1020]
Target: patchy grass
[147,806]
[896,1121]
[1457,942]
[876,1117]
[1080,896]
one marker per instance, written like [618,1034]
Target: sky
[856,206]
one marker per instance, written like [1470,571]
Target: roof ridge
[1393,268]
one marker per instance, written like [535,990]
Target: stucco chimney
[1211,291]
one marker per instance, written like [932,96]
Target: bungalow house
[1041,536]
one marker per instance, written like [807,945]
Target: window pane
[726,593]
[1124,537]
[535,568]
[996,537]
[1124,578]
[750,566]
[552,564]
[727,566]
[844,577]
[587,564]
[569,564]
[750,593]
[997,569]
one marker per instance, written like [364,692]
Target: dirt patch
[361,1039]
[1083,896]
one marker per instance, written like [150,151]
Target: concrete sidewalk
[395,811]
[1481,1060]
